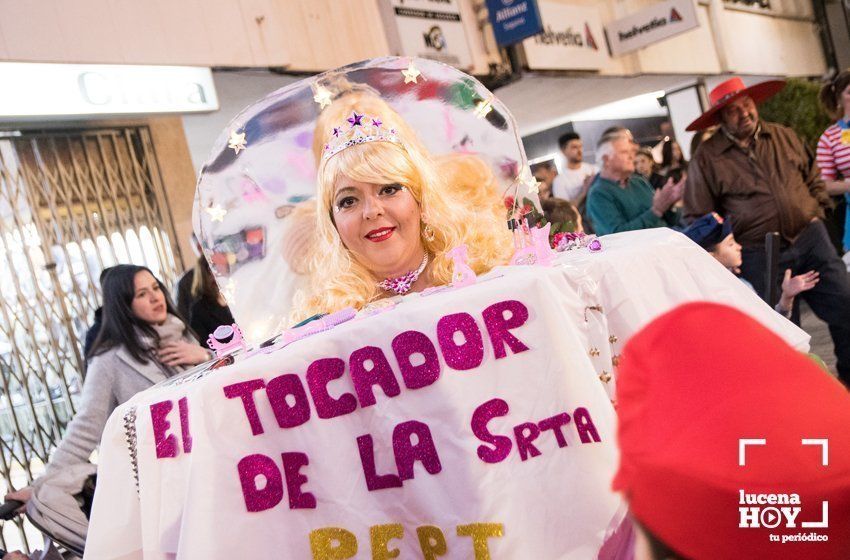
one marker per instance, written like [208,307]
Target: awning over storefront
[539,102]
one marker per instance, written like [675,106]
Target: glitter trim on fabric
[130,434]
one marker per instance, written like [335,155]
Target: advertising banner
[656,23]
[572,39]
[514,20]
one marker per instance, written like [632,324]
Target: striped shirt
[833,153]
[834,162]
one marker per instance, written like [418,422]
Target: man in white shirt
[573,181]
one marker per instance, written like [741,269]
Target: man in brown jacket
[761,176]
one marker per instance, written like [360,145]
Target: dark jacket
[773,186]
[206,315]
[91,334]
[184,293]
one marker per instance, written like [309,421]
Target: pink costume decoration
[569,241]
[323,324]
[537,251]
[225,340]
[462,274]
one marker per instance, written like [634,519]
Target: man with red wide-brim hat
[765,179]
[729,90]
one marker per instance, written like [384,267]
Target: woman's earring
[428,233]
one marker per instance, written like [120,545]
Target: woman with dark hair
[208,309]
[645,166]
[833,153]
[142,341]
[673,162]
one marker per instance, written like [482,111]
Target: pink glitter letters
[319,374]
[470,353]
[374,481]
[288,416]
[407,453]
[183,405]
[271,493]
[525,434]
[256,498]
[555,423]
[584,424]
[378,372]
[501,444]
[245,391]
[166,444]
[459,339]
[292,463]
[498,326]
[413,343]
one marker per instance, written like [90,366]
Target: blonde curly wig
[457,194]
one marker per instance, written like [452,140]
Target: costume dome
[265,164]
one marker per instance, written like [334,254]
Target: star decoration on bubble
[483,108]
[216,213]
[237,141]
[411,74]
[322,97]
[529,180]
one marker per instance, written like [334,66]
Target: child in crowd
[563,215]
[714,234]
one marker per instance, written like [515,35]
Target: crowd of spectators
[749,177]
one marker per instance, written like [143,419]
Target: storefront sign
[34,90]
[428,29]
[514,20]
[659,22]
[572,39]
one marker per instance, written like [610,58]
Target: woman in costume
[388,211]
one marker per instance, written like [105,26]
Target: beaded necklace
[402,284]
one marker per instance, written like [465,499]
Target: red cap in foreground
[705,388]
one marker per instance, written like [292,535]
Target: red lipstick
[380,234]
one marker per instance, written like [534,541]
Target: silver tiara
[358,129]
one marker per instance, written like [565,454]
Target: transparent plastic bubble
[250,212]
